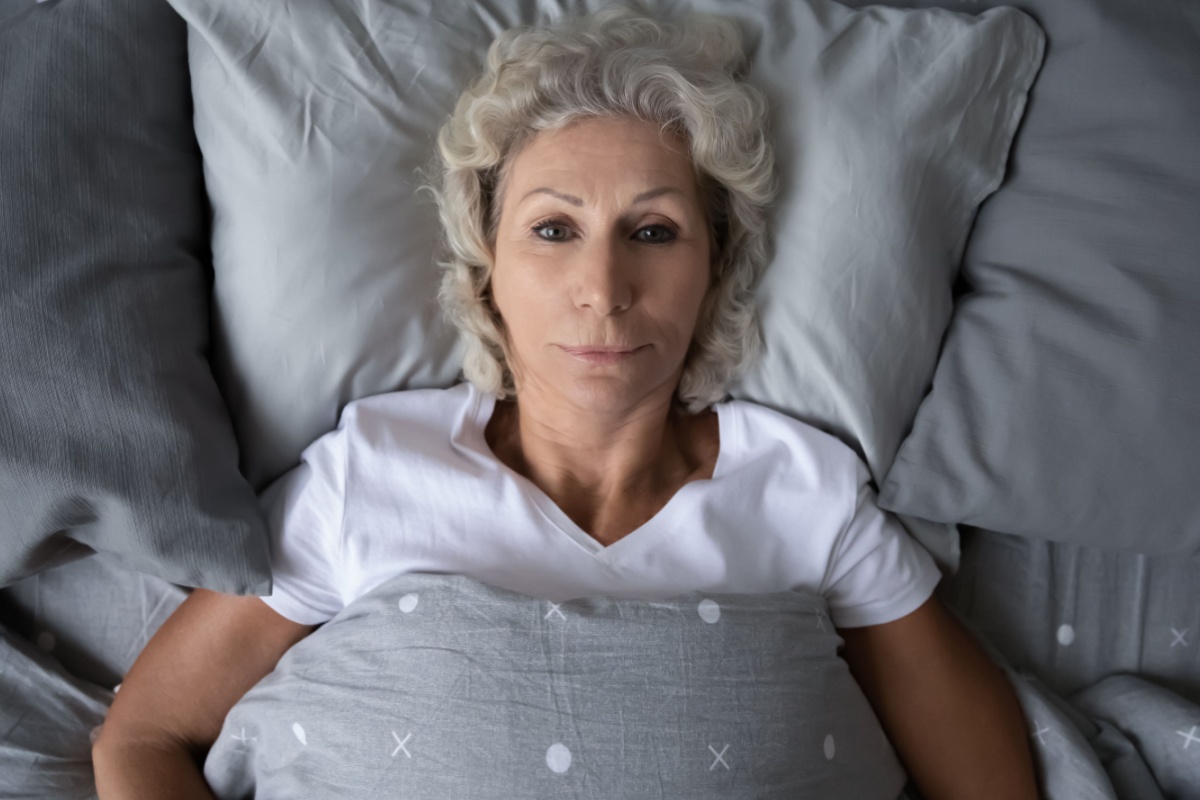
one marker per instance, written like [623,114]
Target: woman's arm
[173,702]
[950,713]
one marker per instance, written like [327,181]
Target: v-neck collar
[482,405]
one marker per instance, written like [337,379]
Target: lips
[602,354]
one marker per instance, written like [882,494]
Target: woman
[604,195]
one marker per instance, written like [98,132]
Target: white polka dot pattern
[558,758]
[431,685]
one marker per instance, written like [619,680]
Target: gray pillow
[444,686]
[1066,404]
[113,435]
[9,8]
[891,127]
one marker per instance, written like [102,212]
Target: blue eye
[551,231]
[660,234]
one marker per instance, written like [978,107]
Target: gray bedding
[92,616]
[1103,647]
[1075,615]
[440,686]
[1097,732]
[47,717]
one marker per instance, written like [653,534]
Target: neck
[556,445]
[595,465]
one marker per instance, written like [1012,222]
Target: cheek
[517,298]
[684,300]
[500,281]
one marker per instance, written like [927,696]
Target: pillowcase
[891,127]
[9,8]
[1066,404]
[113,435]
[445,686]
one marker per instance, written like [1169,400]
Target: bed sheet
[1074,615]
[92,616]
[1103,649]
[48,718]
[1100,646]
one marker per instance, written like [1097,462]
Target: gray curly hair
[684,76]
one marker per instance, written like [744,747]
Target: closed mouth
[602,354]
[599,349]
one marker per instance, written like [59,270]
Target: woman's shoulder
[809,455]
[761,425]
[403,416]
[408,401]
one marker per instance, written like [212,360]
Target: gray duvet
[440,686]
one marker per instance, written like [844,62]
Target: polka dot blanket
[440,686]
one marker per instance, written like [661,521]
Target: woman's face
[601,264]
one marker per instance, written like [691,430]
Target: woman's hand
[173,702]
[950,713]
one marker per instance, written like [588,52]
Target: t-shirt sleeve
[304,510]
[877,573]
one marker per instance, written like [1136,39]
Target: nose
[603,282]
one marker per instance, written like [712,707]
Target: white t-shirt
[407,483]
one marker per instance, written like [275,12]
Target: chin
[606,395]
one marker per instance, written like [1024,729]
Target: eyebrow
[575,201]
[570,198]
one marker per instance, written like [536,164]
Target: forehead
[604,153]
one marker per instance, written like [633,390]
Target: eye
[551,231]
[655,234]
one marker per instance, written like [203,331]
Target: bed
[986,282]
